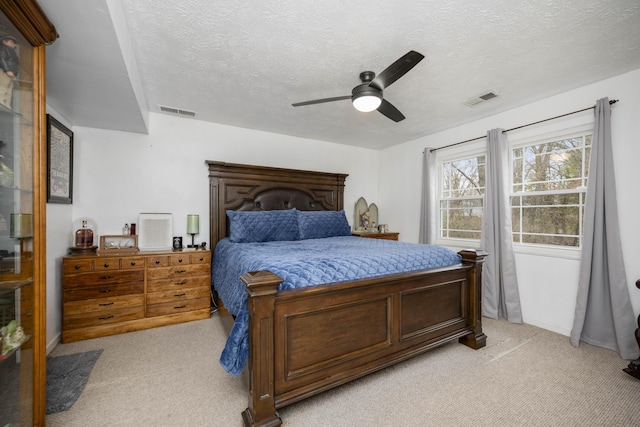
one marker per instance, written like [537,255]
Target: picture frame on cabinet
[59,162]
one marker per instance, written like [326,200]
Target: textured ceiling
[243,63]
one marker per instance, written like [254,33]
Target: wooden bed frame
[305,341]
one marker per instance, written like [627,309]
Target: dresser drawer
[105,277]
[177,271]
[101,304]
[180,259]
[201,258]
[190,258]
[106,317]
[158,261]
[74,266]
[178,283]
[102,291]
[177,307]
[131,263]
[106,264]
[177,295]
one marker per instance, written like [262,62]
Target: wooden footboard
[305,341]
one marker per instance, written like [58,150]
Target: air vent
[480,98]
[488,96]
[178,111]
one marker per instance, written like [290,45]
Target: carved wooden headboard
[252,188]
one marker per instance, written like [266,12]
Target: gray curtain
[500,295]
[428,208]
[604,316]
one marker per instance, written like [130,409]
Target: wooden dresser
[112,294]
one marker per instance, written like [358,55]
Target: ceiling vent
[177,111]
[480,98]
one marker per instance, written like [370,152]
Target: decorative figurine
[10,64]
[364,220]
[12,336]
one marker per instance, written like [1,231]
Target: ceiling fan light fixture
[367,103]
[366,98]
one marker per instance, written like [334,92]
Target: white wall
[547,283]
[118,175]
[58,232]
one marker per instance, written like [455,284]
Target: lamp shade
[193,224]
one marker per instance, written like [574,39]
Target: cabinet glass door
[17,296]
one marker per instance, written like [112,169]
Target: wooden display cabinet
[24,32]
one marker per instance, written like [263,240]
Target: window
[549,184]
[462,197]
[549,189]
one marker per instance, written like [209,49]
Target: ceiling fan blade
[320,101]
[390,111]
[396,70]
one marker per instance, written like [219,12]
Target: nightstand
[376,235]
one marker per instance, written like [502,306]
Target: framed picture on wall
[59,162]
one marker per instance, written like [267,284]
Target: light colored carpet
[525,376]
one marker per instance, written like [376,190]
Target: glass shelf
[13,285]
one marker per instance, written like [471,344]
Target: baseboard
[559,329]
[53,343]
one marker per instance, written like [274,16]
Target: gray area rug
[66,378]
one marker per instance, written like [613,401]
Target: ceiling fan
[367,96]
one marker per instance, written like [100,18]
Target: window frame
[473,149]
[571,252]
[518,139]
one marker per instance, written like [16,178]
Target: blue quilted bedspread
[309,262]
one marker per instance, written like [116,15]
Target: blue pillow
[263,226]
[320,224]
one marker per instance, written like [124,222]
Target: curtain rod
[611,102]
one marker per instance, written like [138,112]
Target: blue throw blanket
[309,262]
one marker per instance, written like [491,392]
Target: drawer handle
[157,261]
[77,266]
[180,306]
[133,263]
[107,277]
[105,304]
[105,291]
[105,318]
[182,282]
[106,265]
[179,295]
[201,259]
[180,260]
[181,271]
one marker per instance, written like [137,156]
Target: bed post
[477,339]
[261,289]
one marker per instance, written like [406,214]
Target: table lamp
[193,228]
